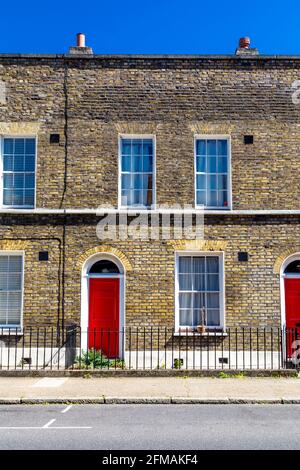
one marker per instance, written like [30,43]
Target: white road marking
[67,409]
[43,427]
[49,423]
[50,382]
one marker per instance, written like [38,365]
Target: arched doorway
[290,291]
[102,310]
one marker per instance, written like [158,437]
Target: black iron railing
[149,348]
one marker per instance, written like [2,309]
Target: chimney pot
[80,40]
[80,49]
[244,43]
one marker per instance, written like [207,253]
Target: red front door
[104,308]
[292,311]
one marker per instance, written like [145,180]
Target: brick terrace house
[81,130]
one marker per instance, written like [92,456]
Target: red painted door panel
[292,311]
[104,307]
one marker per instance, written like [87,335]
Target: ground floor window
[11,282]
[200,290]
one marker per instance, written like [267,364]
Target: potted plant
[202,327]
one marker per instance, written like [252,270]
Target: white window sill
[196,333]
[11,331]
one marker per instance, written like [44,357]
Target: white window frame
[229,181]
[4,329]
[10,136]
[136,136]
[221,256]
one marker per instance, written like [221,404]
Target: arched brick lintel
[104,249]
[283,256]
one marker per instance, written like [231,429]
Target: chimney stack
[244,48]
[80,49]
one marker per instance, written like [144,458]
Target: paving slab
[76,389]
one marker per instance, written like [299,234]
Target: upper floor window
[137,172]
[18,172]
[11,290]
[212,172]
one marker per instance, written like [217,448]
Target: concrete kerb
[150,373]
[150,401]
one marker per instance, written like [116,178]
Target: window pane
[3,264]
[126,163]
[19,163]
[212,198]
[3,281]
[212,264]
[147,164]
[186,317]
[147,147]
[18,197]
[30,146]
[29,163]
[14,308]
[185,264]
[201,198]
[213,317]
[201,164]
[201,147]
[126,147]
[7,197]
[15,264]
[211,147]
[222,147]
[147,181]
[137,146]
[14,282]
[201,181]
[29,197]
[185,282]
[222,164]
[126,181]
[126,198]
[8,146]
[222,198]
[29,180]
[19,180]
[222,182]
[199,282]
[137,181]
[147,197]
[185,300]
[211,182]
[212,300]
[199,264]
[8,180]
[3,308]
[212,165]
[212,282]
[19,146]
[199,300]
[8,163]
[137,161]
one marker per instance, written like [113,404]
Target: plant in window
[203,318]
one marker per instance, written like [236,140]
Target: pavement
[130,390]
[131,427]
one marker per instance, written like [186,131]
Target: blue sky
[150,26]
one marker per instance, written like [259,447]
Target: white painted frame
[221,256]
[5,328]
[286,262]
[84,318]
[20,136]
[136,136]
[229,178]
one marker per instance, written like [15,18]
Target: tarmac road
[149,427]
